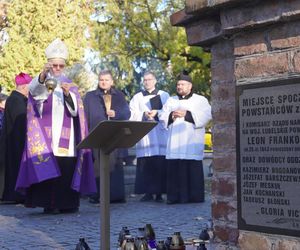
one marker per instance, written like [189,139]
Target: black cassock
[185,183]
[12,143]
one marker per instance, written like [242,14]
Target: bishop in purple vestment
[53,172]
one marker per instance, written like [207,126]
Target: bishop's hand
[45,71]
[66,88]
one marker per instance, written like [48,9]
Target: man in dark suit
[107,103]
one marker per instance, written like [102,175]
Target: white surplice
[185,139]
[154,143]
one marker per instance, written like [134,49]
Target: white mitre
[57,49]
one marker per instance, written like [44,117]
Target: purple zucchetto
[22,79]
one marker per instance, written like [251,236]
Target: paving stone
[24,228]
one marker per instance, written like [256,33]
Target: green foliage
[84,79]
[136,35]
[33,24]
[132,36]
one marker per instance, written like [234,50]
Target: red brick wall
[250,41]
[249,56]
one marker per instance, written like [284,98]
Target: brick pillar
[224,143]
[250,42]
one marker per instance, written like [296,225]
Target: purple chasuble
[84,177]
[39,163]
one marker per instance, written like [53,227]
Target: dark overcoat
[95,108]
[95,112]
[12,143]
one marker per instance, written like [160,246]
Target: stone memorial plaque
[268,157]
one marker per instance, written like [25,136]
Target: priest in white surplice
[151,149]
[185,116]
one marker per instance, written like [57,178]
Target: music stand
[107,136]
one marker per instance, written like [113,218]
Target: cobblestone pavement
[25,228]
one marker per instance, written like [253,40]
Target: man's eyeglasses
[61,66]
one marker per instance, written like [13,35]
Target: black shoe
[51,211]
[169,202]
[8,202]
[119,201]
[69,210]
[159,198]
[94,200]
[147,197]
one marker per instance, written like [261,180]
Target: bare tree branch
[154,22]
[191,58]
